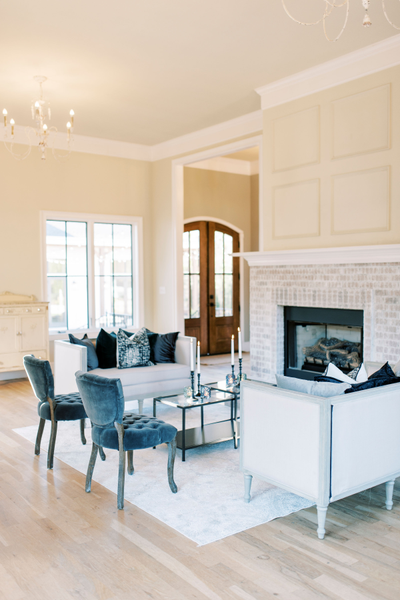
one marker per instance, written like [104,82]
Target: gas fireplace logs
[341,353]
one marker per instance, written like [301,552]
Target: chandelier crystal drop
[42,135]
[330,6]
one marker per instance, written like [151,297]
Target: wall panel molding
[296,140]
[361,123]
[300,200]
[361,201]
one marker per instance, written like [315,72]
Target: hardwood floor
[59,543]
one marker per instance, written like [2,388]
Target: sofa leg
[140,403]
[130,462]
[321,511]
[247,487]
[389,494]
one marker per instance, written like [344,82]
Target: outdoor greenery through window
[191,274]
[90,274]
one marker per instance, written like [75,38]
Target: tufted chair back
[102,398]
[40,376]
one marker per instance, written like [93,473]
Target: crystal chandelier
[42,134]
[330,6]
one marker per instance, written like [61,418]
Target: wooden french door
[211,285]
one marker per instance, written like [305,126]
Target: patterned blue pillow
[133,351]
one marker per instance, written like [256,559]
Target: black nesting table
[209,433]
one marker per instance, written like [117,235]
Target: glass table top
[180,401]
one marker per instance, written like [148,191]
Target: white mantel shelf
[324,256]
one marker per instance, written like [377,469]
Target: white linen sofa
[138,383]
[323,449]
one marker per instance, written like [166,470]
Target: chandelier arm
[301,22]
[9,148]
[334,5]
[344,25]
[387,18]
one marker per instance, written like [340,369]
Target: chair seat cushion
[140,432]
[69,407]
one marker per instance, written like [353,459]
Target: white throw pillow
[333,371]
[314,388]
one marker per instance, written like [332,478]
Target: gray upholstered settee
[323,449]
[138,383]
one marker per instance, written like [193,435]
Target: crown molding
[85,144]
[216,134]
[354,65]
[389,253]
[224,164]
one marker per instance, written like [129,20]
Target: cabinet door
[9,340]
[33,329]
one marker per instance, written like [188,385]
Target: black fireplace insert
[315,337]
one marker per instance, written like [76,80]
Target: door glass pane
[195,296]
[55,247]
[219,252]
[186,253]
[186,302]
[122,249]
[195,251]
[77,303]
[58,303]
[219,295]
[76,249]
[228,295]
[228,249]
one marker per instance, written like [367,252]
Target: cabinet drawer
[11,361]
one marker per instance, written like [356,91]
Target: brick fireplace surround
[365,278]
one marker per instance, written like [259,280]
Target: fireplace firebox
[315,337]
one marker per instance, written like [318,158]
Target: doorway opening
[211,280]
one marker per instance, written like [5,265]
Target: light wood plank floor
[59,543]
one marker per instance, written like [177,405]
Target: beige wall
[84,183]
[331,167]
[224,196]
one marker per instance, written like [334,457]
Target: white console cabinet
[24,329]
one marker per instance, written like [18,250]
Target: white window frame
[137,265]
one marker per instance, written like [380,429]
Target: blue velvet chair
[66,407]
[103,400]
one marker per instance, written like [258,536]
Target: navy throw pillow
[92,360]
[384,376]
[162,346]
[106,349]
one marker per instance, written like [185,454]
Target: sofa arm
[68,359]
[182,350]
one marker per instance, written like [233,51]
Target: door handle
[212,304]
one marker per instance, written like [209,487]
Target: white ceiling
[146,72]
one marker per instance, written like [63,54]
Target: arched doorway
[211,285]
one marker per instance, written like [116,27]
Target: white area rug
[209,504]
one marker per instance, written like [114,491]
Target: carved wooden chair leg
[171,461]
[83,439]
[121,471]
[42,423]
[130,462]
[52,443]
[101,452]
[90,470]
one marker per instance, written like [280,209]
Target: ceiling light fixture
[330,5]
[41,112]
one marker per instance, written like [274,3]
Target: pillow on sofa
[133,351]
[162,346]
[106,349]
[384,376]
[315,388]
[356,375]
[92,360]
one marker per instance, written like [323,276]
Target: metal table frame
[210,433]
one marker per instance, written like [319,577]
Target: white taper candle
[240,342]
[191,355]
[233,350]
[198,358]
